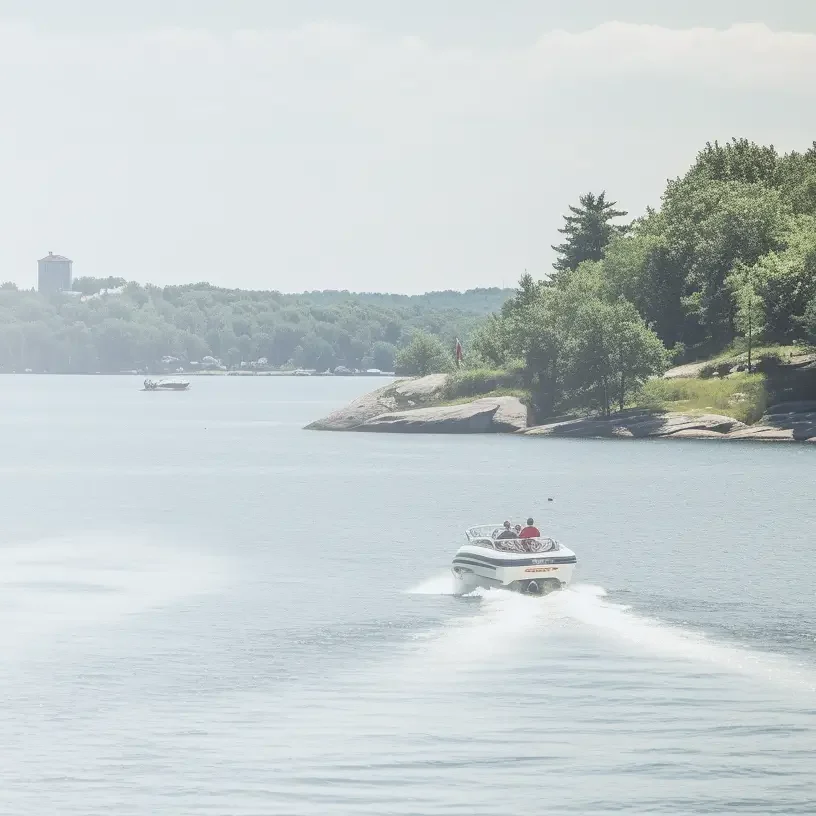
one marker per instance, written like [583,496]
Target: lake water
[206,610]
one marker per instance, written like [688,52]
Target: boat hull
[534,573]
[166,385]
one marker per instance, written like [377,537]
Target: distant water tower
[55,273]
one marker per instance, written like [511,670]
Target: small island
[422,405]
[696,320]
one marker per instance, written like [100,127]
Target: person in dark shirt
[530,531]
[507,532]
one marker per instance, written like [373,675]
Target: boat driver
[507,532]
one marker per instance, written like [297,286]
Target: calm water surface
[206,610]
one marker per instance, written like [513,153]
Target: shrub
[742,396]
[476,382]
[424,355]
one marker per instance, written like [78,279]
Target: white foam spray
[496,625]
[504,620]
[589,605]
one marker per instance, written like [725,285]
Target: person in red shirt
[530,531]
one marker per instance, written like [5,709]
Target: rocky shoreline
[783,425]
[416,406]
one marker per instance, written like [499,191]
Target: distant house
[55,273]
[102,293]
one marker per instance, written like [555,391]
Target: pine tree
[587,232]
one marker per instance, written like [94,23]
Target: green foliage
[521,393]
[137,327]
[749,317]
[742,396]
[588,230]
[797,180]
[424,355]
[742,215]
[643,268]
[579,346]
[738,160]
[474,382]
[786,280]
[710,227]
[808,321]
[611,351]
[729,256]
[793,175]
[735,357]
[489,345]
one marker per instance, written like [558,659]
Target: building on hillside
[55,273]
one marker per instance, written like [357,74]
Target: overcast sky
[367,144]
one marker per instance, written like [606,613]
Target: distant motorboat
[166,385]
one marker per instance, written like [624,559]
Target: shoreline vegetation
[109,326]
[697,319]
[425,405]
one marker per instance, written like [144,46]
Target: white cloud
[343,152]
[741,55]
[326,61]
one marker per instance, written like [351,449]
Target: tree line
[730,255]
[134,327]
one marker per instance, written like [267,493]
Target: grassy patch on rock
[481,382]
[523,395]
[471,384]
[738,350]
[736,355]
[741,396]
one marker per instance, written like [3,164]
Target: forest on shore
[726,262]
[111,325]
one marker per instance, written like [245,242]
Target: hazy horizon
[373,148]
[361,292]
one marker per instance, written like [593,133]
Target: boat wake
[589,605]
[507,620]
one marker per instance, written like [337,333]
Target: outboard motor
[542,587]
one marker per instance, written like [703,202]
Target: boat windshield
[486,535]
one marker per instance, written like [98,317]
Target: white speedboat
[536,566]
